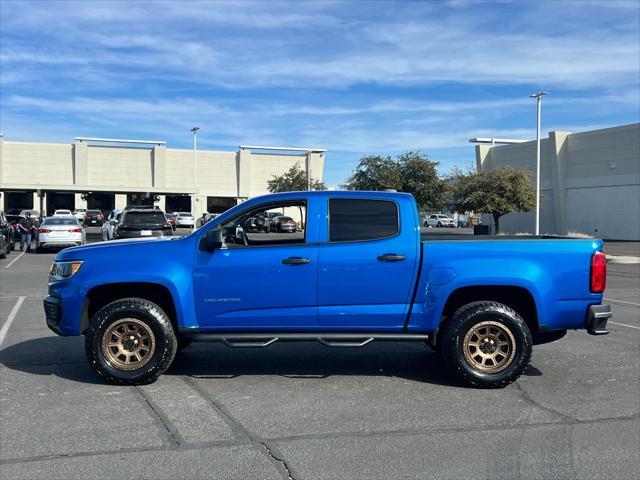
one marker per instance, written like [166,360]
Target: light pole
[195,174]
[538,96]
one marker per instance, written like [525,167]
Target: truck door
[265,276]
[368,265]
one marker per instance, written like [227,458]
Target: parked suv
[143,223]
[7,230]
[439,220]
[93,218]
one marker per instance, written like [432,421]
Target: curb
[623,259]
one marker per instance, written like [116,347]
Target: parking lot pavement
[305,411]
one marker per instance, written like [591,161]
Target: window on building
[356,220]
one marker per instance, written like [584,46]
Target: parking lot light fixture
[194,130]
[538,96]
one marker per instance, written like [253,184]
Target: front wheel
[130,342]
[486,344]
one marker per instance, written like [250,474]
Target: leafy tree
[498,192]
[410,172]
[294,180]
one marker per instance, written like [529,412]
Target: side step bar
[326,339]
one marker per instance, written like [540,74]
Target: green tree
[294,180]
[497,192]
[410,172]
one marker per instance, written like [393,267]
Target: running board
[327,339]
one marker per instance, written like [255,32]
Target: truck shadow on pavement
[65,358]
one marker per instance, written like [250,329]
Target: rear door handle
[391,257]
[296,261]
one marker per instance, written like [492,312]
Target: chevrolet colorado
[355,271]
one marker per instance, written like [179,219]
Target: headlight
[63,270]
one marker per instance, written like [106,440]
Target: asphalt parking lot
[305,411]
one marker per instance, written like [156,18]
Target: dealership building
[106,174]
[590,182]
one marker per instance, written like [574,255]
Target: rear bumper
[137,234]
[58,243]
[597,318]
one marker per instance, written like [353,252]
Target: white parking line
[622,301]
[15,260]
[625,325]
[12,315]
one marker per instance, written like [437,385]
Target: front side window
[272,224]
[357,220]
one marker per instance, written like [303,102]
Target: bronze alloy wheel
[128,344]
[489,347]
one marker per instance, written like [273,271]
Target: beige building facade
[590,182]
[108,174]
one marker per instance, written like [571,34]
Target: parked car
[79,214]
[283,224]
[7,230]
[439,220]
[33,214]
[143,223]
[481,302]
[93,218]
[109,225]
[171,220]
[14,220]
[3,246]
[184,219]
[62,212]
[60,231]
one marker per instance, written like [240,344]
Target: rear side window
[355,220]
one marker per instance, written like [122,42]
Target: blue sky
[353,77]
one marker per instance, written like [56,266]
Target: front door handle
[391,257]
[296,261]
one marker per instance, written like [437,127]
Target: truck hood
[111,247]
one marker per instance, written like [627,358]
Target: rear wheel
[486,344]
[130,342]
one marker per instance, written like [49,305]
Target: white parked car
[184,219]
[60,231]
[439,220]
[62,212]
[110,224]
[79,213]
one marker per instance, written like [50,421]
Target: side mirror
[211,240]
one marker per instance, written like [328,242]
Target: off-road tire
[150,314]
[452,348]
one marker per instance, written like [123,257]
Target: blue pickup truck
[352,271]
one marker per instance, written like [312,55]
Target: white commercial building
[106,174]
[590,182]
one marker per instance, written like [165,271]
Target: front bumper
[53,313]
[597,318]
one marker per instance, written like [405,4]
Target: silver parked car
[110,224]
[60,231]
[184,219]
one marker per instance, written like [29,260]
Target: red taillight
[86,217]
[43,230]
[598,277]
[101,217]
[76,230]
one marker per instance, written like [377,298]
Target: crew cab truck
[355,271]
